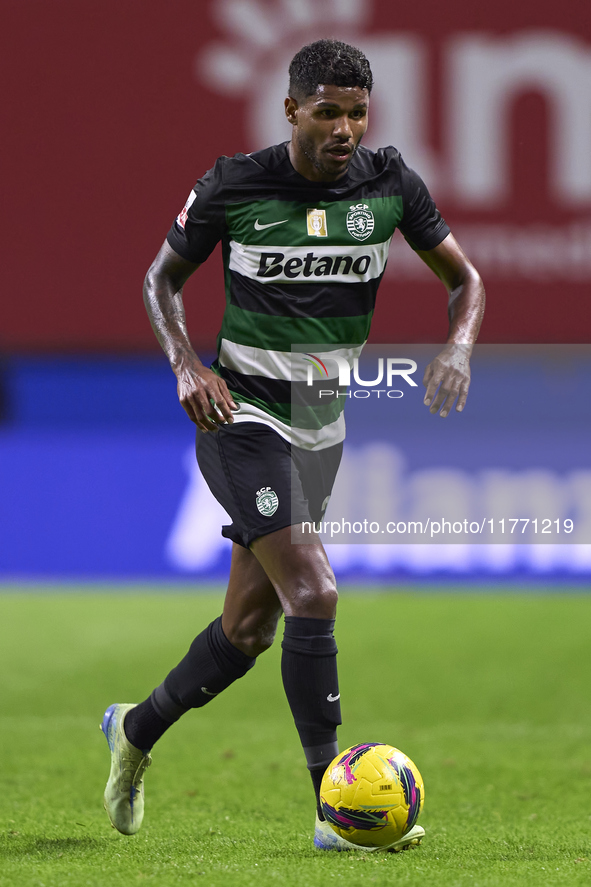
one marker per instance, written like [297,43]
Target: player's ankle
[143,726]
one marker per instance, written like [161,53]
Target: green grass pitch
[490,694]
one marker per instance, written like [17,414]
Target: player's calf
[251,633]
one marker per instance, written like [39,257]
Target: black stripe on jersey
[304,299]
[369,175]
[279,390]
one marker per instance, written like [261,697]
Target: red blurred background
[112,110]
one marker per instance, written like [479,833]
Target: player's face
[327,128]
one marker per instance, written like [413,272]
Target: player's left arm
[447,377]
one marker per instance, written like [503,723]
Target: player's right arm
[447,378]
[203,395]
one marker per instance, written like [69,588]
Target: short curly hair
[328,62]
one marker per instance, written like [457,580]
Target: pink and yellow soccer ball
[372,794]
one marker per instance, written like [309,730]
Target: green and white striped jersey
[302,265]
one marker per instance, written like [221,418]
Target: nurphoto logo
[387,372]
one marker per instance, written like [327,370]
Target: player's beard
[325,165]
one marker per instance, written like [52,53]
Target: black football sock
[317,774]
[143,725]
[211,665]
[309,671]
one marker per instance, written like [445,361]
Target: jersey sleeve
[201,223]
[422,224]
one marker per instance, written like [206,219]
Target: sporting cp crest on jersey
[360,221]
[267,501]
[317,223]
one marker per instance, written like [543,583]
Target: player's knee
[331,599]
[316,600]
[323,603]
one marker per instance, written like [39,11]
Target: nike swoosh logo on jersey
[259,227]
[332,698]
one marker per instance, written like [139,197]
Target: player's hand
[447,378]
[205,397]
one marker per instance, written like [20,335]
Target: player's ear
[291,107]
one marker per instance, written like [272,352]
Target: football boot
[325,838]
[124,793]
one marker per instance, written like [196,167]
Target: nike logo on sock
[208,692]
[332,698]
[259,227]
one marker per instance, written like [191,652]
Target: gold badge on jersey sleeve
[317,223]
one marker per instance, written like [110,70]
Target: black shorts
[262,481]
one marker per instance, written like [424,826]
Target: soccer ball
[372,794]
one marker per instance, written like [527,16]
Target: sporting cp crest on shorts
[267,501]
[360,221]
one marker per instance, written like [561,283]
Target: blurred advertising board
[113,111]
[500,490]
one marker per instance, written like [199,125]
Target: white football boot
[325,838]
[124,794]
